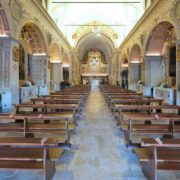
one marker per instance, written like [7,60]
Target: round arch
[135,54]
[94,41]
[102,33]
[157,37]
[32,39]
[55,53]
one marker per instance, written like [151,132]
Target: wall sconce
[124,65]
[65,65]
[135,61]
[153,54]
[55,61]
[39,54]
[4,35]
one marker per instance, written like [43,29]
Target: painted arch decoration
[33,40]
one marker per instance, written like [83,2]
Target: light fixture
[135,61]
[39,54]
[4,35]
[124,65]
[55,61]
[153,54]
[65,65]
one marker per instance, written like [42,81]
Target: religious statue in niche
[25,40]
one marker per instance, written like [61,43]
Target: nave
[99,147]
[55,123]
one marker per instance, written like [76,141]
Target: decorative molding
[16,9]
[175,10]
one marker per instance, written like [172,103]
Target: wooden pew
[44,108]
[56,98]
[76,103]
[145,109]
[30,154]
[161,125]
[112,98]
[35,125]
[121,94]
[69,110]
[114,103]
[158,155]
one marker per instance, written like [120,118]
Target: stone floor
[99,151]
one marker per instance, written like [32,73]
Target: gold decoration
[16,9]
[15,54]
[74,36]
[115,35]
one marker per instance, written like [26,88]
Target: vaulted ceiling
[115,18]
[120,16]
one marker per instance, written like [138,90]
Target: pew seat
[159,155]
[17,154]
[30,154]
[155,161]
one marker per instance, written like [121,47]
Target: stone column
[153,71]
[75,76]
[26,66]
[134,74]
[9,71]
[56,75]
[143,71]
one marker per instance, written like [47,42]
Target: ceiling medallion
[16,9]
[74,36]
[115,35]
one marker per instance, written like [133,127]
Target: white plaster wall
[153,72]
[134,72]
[56,74]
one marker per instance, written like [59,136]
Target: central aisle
[99,151]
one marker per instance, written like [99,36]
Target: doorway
[94,83]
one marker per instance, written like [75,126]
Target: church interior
[89,95]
